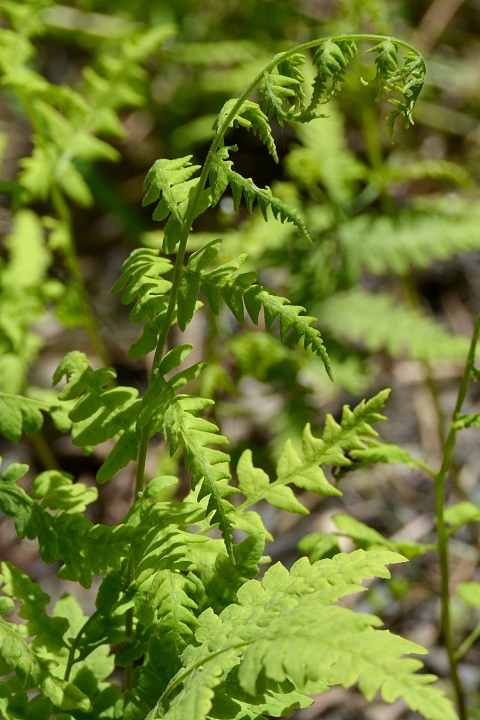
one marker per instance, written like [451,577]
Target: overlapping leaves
[276,634]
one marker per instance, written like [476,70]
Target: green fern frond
[416,239]
[101,411]
[279,95]
[25,292]
[406,80]
[142,279]
[430,169]
[371,319]
[175,622]
[275,633]
[250,116]
[304,471]
[222,175]
[47,632]
[85,549]
[222,580]
[239,293]
[18,414]
[205,464]
[57,491]
[291,320]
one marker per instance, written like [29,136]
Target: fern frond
[239,293]
[416,239]
[205,464]
[222,175]
[222,580]
[57,491]
[279,95]
[332,449]
[18,414]
[175,622]
[291,320]
[47,632]
[25,292]
[101,411]
[251,117]
[276,634]
[141,278]
[378,324]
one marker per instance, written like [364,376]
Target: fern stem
[180,677]
[467,643]
[74,645]
[442,529]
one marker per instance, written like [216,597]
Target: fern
[241,294]
[172,182]
[331,61]
[142,278]
[415,335]
[415,240]
[338,442]
[177,605]
[221,175]
[206,464]
[407,80]
[250,116]
[241,635]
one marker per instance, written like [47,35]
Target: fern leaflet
[222,175]
[332,449]
[141,278]
[250,116]
[276,634]
[33,672]
[206,464]
[101,412]
[171,182]
[331,60]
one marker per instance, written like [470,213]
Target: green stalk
[75,643]
[442,532]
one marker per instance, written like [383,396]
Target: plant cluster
[184,609]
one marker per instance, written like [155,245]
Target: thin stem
[74,646]
[467,643]
[442,529]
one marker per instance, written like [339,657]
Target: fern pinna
[178,606]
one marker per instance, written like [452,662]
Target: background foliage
[93,93]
